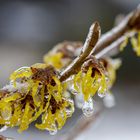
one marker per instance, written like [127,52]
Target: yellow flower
[90,82]
[111,66]
[56,115]
[54,60]
[63,53]
[35,91]
[96,76]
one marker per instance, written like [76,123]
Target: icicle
[79,100]
[88,108]
[102,94]
[53,132]
[70,109]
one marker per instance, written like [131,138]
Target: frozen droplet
[88,108]
[46,96]
[107,78]
[11,82]
[53,132]
[67,94]
[79,100]
[69,80]
[109,100]
[70,108]
[72,90]
[101,95]
[3,128]
[68,112]
[70,101]
[52,128]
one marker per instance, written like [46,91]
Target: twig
[89,45]
[131,22]
[5,138]
[114,45]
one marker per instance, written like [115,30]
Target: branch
[89,45]
[114,37]
[115,45]
[5,138]
[131,22]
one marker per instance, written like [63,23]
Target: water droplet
[109,100]
[88,108]
[70,101]
[3,128]
[53,132]
[46,96]
[72,90]
[79,100]
[107,78]
[101,95]
[69,80]
[70,108]
[11,82]
[68,112]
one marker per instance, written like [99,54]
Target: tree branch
[131,22]
[115,37]
[89,45]
[115,45]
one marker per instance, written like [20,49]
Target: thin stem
[131,22]
[89,45]
[114,45]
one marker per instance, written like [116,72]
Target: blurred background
[28,29]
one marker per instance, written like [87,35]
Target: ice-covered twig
[89,45]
